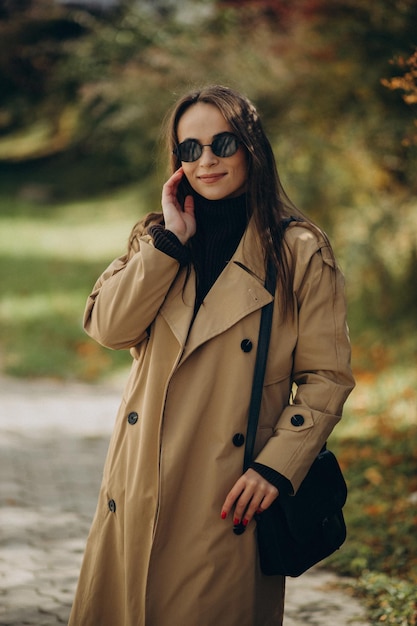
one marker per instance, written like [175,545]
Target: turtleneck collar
[220,226]
[229,215]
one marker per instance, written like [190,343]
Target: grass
[376,444]
[51,254]
[50,258]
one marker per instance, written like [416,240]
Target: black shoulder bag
[295,532]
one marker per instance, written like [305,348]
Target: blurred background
[84,88]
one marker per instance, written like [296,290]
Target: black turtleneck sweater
[220,227]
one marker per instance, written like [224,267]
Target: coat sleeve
[321,375]
[128,295]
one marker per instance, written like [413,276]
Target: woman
[186,300]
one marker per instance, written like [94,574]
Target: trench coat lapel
[234,295]
[178,308]
[237,292]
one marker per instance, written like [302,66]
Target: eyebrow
[224,132]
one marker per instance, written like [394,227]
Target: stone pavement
[53,441]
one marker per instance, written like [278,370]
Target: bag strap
[260,366]
[261,357]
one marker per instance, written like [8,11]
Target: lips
[211,178]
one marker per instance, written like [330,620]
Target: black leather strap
[261,357]
[260,366]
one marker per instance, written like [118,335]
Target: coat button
[238,440]
[112,506]
[132,418]
[239,529]
[246,345]
[297,420]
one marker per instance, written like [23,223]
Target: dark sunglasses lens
[189,151]
[225,145]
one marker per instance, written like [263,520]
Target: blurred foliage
[407,83]
[376,444]
[390,601]
[381,472]
[98,85]
[83,94]
[49,262]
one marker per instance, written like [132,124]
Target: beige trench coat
[158,553]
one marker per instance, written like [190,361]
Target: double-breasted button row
[238,439]
[132,418]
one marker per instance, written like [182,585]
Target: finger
[241,494]
[177,175]
[232,496]
[169,189]
[247,501]
[174,178]
[189,205]
[259,504]
[250,493]
[270,497]
[240,497]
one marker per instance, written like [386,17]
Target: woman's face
[211,176]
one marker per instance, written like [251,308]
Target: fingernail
[224,514]
[245,522]
[236,521]
[259,511]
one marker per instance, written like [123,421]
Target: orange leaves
[407,83]
[374,475]
[374,510]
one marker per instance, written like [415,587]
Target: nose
[207,157]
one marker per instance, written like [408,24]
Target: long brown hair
[267,201]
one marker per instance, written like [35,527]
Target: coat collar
[238,291]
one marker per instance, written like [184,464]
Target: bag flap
[321,495]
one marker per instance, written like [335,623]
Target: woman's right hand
[179,220]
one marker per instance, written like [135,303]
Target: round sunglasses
[223,145]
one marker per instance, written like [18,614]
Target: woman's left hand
[250,494]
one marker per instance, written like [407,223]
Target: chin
[215,194]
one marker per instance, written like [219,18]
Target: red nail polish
[245,522]
[224,514]
[236,521]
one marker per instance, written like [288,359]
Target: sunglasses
[224,145]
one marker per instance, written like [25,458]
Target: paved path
[53,440]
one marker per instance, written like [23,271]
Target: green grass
[388,600]
[50,258]
[376,444]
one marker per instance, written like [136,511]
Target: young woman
[186,300]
